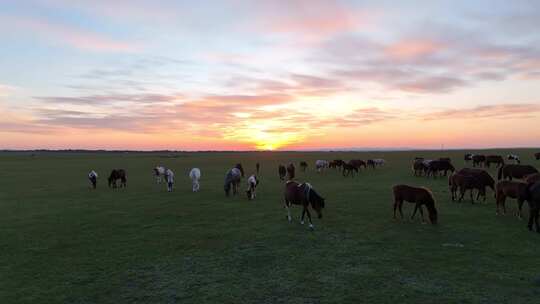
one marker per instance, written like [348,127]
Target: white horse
[92,176]
[195,175]
[169,175]
[379,162]
[321,164]
[252,185]
[159,173]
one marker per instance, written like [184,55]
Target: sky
[269,75]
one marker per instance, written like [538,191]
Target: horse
[494,159]
[92,176]
[239,167]
[305,195]
[303,166]
[481,175]
[257,167]
[370,163]
[320,165]
[159,173]
[513,157]
[169,176]
[515,171]
[358,163]
[282,171]
[291,171]
[434,167]
[419,196]
[117,174]
[478,160]
[465,182]
[195,175]
[332,165]
[537,155]
[378,162]
[252,181]
[349,169]
[419,167]
[468,157]
[339,163]
[232,180]
[532,178]
[533,198]
[516,190]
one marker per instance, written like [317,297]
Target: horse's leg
[520,205]
[422,214]
[461,194]
[395,207]
[288,207]
[472,198]
[401,208]
[302,218]
[414,211]
[309,218]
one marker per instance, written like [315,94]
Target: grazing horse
[92,176]
[465,182]
[419,196]
[494,159]
[305,195]
[282,171]
[481,175]
[252,181]
[232,180]
[419,167]
[169,176]
[349,169]
[320,165]
[435,166]
[513,157]
[303,166]
[257,167]
[532,178]
[195,176]
[478,160]
[533,198]
[239,167]
[468,157]
[291,171]
[117,174]
[516,190]
[515,171]
[159,173]
[537,155]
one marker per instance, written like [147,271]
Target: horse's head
[433,217]
[239,167]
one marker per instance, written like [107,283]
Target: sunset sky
[291,74]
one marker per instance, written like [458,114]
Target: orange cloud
[408,49]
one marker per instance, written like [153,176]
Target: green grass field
[63,243]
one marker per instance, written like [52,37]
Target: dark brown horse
[465,182]
[482,176]
[478,160]
[349,169]
[436,166]
[516,190]
[282,171]
[118,174]
[358,163]
[304,195]
[515,171]
[418,196]
[291,171]
[303,166]
[533,197]
[494,159]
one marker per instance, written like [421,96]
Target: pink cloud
[407,49]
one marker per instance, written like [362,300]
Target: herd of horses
[459,181]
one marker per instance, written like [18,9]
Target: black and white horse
[321,164]
[92,176]
[253,182]
[159,173]
[513,157]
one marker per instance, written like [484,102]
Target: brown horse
[494,159]
[349,169]
[482,176]
[533,198]
[532,178]
[478,160]
[303,166]
[516,190]
[465,182]
[332,165]
[436,166]
[291,171]
[282,171]
[304,195]
[419,196]
[515,171]
[358,163]
[118,174]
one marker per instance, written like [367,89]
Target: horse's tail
[499,176]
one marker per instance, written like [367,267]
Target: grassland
[63,243]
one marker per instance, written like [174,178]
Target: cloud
[500,111]
[109,99]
